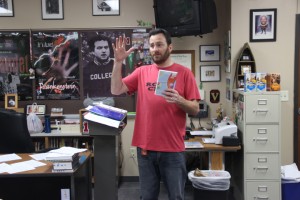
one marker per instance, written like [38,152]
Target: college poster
[15,65]
[56,64]
[98,57]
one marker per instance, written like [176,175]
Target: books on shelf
[165,79]
[104,114]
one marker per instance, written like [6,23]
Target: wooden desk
[42,183]
[216,153]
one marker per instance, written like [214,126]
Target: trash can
[290,190]
[214,184]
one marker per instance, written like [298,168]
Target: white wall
[275,57]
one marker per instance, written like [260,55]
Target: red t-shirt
[159,125]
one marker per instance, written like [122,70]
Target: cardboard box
[250,82]
[273,82]
[261,82]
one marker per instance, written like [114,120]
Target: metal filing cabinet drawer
[263,190]
[262,108]
[262,166]
[262,138]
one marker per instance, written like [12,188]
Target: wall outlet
[284,95]
[132,152]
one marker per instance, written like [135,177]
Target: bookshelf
[63,134]
[245,63]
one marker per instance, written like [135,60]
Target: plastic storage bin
[290,191]
[213,185]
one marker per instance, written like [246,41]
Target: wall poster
[98,58]
[56,63]
[15,65]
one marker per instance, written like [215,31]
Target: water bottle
[47,124]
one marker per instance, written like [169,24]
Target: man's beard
[162,58]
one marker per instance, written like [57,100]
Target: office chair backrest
[14,135]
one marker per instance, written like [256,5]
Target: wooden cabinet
[245,63]
[259,124]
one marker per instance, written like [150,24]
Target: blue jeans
[166,166]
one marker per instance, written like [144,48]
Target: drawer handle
[260,139]
[258,198]
[260,110]
[262,101]
[260,168]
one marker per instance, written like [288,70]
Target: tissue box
[250,82]
[261,82]
[290,191]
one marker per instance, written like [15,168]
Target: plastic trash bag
[212,180]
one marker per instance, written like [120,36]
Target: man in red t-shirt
[160,120]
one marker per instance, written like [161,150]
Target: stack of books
[65,159]
[63,163]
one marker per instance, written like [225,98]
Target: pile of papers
[290,173]
[64,159]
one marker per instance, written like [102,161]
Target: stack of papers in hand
[104,114]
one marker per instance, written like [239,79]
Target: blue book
[108,111]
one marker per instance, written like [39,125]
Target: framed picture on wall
[6,8]
[185,58]
[263,25]
[106,7]
[37,109]
[210,73]
[11,101]
[209,53]
[52,9]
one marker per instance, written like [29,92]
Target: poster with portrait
[98,58]
[16,73]
[56,63]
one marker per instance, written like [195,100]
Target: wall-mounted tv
[185,17]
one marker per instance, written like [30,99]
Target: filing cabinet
[259,123]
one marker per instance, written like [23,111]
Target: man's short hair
[164,32]
[100,37]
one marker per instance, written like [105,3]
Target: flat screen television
[185,17]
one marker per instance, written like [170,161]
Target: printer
[224,128]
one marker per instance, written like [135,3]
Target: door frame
[297,93]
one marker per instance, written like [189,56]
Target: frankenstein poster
[15,65]
[56,63]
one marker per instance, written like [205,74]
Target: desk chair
[14,135]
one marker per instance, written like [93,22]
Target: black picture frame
[52,9]
[266,31]
[7,9]
[106,8]
[37,109]
[210,73]
[209,53]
